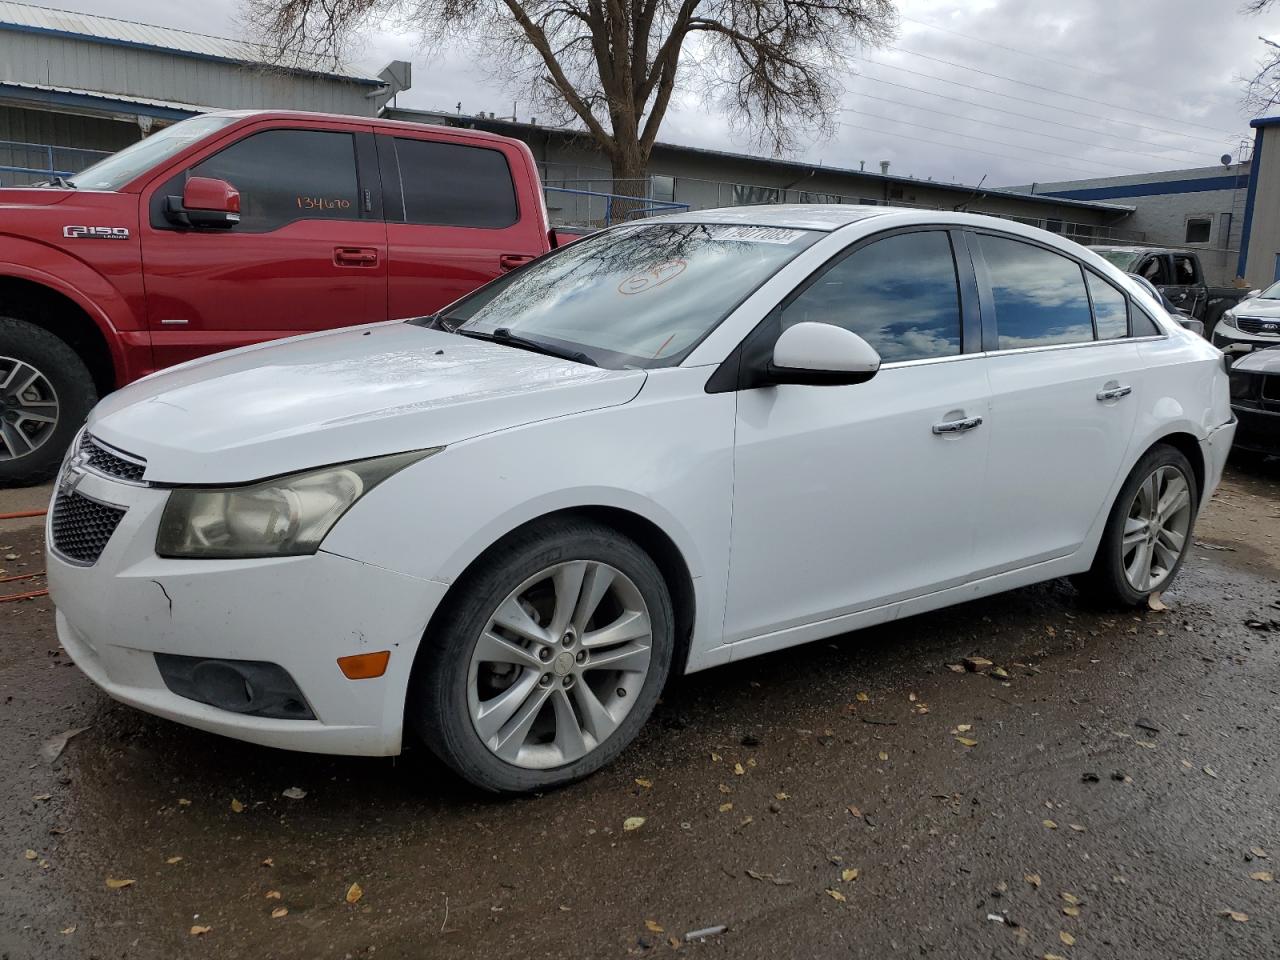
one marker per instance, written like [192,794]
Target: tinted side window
[455,185]
[1110,309]
[1143,325]
[287,175]
[899,294]
[1184,271]
[1039,296]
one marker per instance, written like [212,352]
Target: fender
[84,286]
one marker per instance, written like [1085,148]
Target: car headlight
[1229,319]
[284,517]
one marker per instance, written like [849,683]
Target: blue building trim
[1252,195]
[190,54]
[92,102]
[1153,188]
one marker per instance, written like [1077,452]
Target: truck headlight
[284,517]
[1228,319]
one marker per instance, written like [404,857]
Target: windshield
[1124,259]
[119,168]
[634,296]
[1270,293]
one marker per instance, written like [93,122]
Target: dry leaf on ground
[172,860]
[653,926]
[279,912]
[644,782]
[1266,876]
[236,806]
[274,895]
[1066,938]
[849,874]
[354,893]
[1033,879]
[1235,915]
[966,741]
[294,793]
[633,823]
[199,931]
[114,884]
[837,896]
[1050,824]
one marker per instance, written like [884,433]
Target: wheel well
[1189,447]
[651,539]
[63,317]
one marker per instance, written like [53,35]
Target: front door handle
[509,261]
[957,426]
[1113,392]
[355,256]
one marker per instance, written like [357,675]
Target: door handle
[1113,393]
[509,261]
[355,256]
[957,426]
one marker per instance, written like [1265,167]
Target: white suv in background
[1251,324]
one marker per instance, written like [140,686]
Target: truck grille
[81,527]
[1257,325]
[122,466]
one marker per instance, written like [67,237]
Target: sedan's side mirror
[205,202]
[1188,322]
[822,354]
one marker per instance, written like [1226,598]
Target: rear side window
[899,294]
[287,175]
[1110,309]
[450,184]
[1040,297]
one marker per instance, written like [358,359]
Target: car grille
[81,527]
[1257,325]
[104,460]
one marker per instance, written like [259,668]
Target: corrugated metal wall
[65,129]
[107,68]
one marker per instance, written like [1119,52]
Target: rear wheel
[1147,532]
[45,394]
[548,659]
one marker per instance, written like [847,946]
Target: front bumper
[1215,448]
[301,613]
[1259,430]
[1236,343]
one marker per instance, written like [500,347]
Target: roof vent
[884,168]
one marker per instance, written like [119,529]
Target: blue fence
[596,208]
[25,163]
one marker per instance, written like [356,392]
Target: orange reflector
[364,666]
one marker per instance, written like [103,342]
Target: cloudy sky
[1014,90]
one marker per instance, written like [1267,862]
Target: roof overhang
[90,103]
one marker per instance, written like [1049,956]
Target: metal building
[74,87]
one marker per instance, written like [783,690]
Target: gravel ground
[1114,796]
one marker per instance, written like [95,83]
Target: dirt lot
[1114,796]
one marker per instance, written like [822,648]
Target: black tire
[438,710]
[1106,583]
[64,371]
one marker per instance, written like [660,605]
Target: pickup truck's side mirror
[205,202]
[821,354]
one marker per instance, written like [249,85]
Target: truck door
[459,213]
[1186,289]
[309,252]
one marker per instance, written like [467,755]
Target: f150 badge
[96,233]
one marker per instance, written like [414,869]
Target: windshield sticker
[655,276]
[759,234]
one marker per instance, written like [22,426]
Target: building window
[1199,229]
[662,188]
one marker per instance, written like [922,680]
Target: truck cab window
[288,175]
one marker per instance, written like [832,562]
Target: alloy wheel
[559,664]
[28,409]
[1156,529]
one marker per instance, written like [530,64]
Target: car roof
[798,216]
[460,132]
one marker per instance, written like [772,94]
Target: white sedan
[669,445]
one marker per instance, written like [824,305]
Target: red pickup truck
[232,228]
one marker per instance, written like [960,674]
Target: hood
[341,395]
[33,196]
[1266,360]
[1257,307]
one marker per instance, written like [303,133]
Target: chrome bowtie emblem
[72,474]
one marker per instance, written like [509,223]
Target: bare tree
[772,65]
[1262,90]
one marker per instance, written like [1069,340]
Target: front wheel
[547,659]
[45,394]
[1148,531]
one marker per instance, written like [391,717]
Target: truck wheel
[45,394]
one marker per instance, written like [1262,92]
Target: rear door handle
[957,426]
[509,261]
[1113,392]
[355,256]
